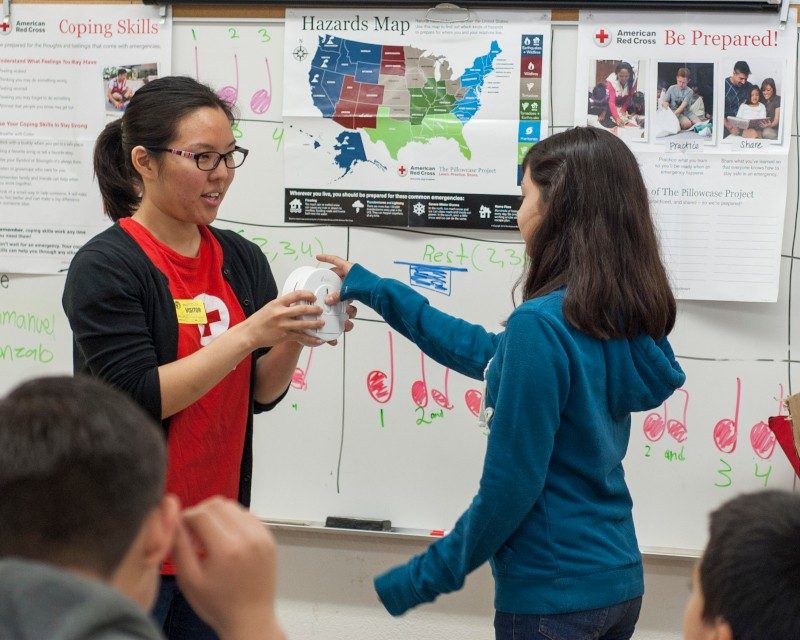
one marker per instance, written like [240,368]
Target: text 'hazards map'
[403,121]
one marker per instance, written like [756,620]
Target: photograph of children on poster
[685,101]
[752,91]
[703,100]
[616,99]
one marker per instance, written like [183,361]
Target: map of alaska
[393,94]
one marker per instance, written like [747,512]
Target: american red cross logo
[401,170]
[211,317]
[5,26]
[602,38]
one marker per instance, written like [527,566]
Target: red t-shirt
[206,439]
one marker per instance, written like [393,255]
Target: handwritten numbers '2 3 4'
[261,100]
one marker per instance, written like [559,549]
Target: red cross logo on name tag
[602,38]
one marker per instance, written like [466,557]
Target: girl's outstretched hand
[341,267]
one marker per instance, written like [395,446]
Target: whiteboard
[335,446]
[340,445]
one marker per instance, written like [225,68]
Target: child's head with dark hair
[81,467]
[599,92]
[598,100]
[594,227]
[746,585]
[637,104]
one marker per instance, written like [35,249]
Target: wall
[325,593]
[359,461]
[325,581]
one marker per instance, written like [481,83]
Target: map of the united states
[396,94]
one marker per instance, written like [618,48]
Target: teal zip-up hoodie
[553,512]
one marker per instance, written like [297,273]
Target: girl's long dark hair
[596,237]
[151,119]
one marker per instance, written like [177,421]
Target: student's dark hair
[637,103]
[748,573]
[596,237]
[742,67]
[599,92]
[151,119]
[81,466]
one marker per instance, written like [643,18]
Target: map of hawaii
[396,94]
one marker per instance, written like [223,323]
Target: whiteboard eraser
[321,282]
[360,524]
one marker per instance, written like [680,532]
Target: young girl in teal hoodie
[584,349]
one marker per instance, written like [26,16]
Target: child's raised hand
[340,266]
[227,569]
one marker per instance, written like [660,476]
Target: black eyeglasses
[209,160]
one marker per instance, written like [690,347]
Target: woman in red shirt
[183,317]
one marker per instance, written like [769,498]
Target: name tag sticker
[191,311]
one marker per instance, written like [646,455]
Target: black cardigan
[124,325]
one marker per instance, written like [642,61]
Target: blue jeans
[616,622]
[176,617]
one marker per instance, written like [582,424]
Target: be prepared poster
[705,101]
[411,118]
